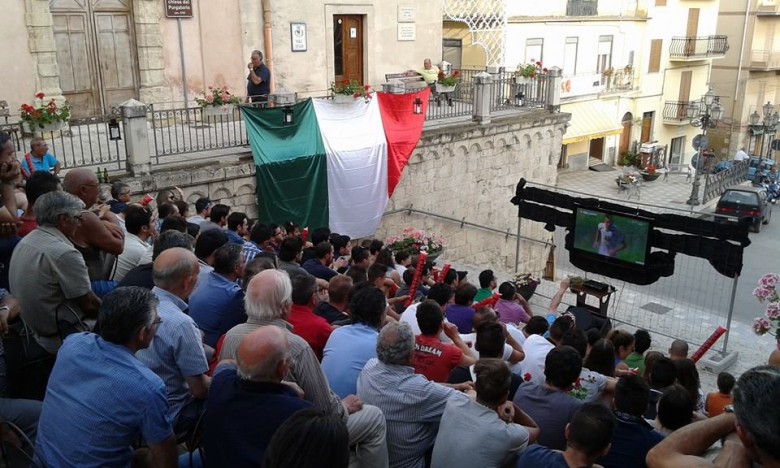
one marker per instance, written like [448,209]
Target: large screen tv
[611,237]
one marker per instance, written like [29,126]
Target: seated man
[441,294]
[351,346]
[237,227]
[537,346]
[588,437]
[39,159]
[319,266]
[38,184]
[591,385]
[550,404]
[487,283]
[217,218]
[101,398]
[412,405]
[312,328]
[142,274]
[487,432]
[140,228]
[460,312]
[432,358]
[217,303]
[512,308]
[334,310]
[176,354]
[430,73]
[49,276]
[633,436]
[202,211]
[205,245]
[248,401]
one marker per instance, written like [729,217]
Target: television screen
[611,237]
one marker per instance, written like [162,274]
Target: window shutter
[655,56]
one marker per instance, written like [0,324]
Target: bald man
[176,353]
[248,400]
[678,350]
[99,232]
[774,358]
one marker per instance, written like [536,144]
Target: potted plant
[526,284]
[413,241]
[446,83]
[626,179]
[217,101]
[650,174]
[767,294]
[46,117]
[351,90]
[525,72]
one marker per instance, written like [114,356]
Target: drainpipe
[267,38]
[739,70]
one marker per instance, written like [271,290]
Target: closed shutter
[655,56]
[660,2]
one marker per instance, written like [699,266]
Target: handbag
[28,364]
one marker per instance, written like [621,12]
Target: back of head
[166,209]
[340,242]
[257,265]
[756,408]
[688,377]
[260,233]
[124,311]
[202,204]
[218,212]
[50,206]
[401,257]
[483,315]
[537,325]
[174,223]
[40,182]
[429,317]
[183,206]
[172,266]
[485,278]
[136,217]
[289,249]
[726,383]
[268,295]
[593,336]
[601,358]
[367,306]
[259,355]
[577,339]
[642,341]
[228,258]
[675,408]
[322,250]
[441,293]
[321,234]
[117,188]
[385,257]
[591,428]
[208,242]
[170,239]
[310,438]
[450,277]
[408,275]
[662,373]
[620,338]
[632,394]
[358,274]
[560,326]
[358,254]
[562,367]
[235,220]
[303,288]
[679,349]
[465,294]
[493,381]
[375,246]
[490,340]
[395,344]
[507,291]
[376,271]
[338,289]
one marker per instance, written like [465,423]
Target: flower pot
[440,88]
[524,79]
[646,176]
[216,111]
[49,127]
[527,291]
[343,98]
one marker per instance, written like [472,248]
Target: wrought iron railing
[698,47]
[582,8]
[510,91]
[620,81]
[676,111]
[717,183]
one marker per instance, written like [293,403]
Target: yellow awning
[589,120]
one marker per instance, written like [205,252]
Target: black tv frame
[595,256]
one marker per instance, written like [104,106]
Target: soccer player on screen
[608,239]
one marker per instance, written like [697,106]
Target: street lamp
[767,124]
[703,114]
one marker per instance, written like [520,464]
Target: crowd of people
[159,333]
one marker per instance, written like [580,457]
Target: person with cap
[487,283]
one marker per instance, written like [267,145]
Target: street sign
[775,145]
[178,8]
[700,141]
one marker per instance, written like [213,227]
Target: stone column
[139,160]
[483,85]
[149,43]
[554,77]
[43,48]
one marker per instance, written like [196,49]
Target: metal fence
[80,142]
[582,8]
[698,47]
[716,184]
[676,111]
[511,91]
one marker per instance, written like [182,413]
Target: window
[660,2]
[677,150]
[604,60]
[570,56]
[452,51]
[655,56]
[631,58]
[533,49]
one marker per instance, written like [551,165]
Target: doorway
[625,135]
[647,126]
[596,149]
[96,53]
[676,150]
[348,48]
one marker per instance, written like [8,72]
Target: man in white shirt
[202,211]
[741,155]
[140,228]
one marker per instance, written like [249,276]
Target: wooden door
[647,127]
[691,30]
[78,76]
[116,57]
[625,135]
[596,149]
[348,47]
[684,94]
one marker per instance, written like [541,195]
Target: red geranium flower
[456,73]
[539,63]
[356,95]
[527,377]
[40,95]
[367,87]
[544,69]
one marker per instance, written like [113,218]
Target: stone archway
[625,135]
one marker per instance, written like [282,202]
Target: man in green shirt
[487,283]
[636,360]
[430,73]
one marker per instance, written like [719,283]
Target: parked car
[745,202]
[760,168]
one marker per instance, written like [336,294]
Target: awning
[589,120]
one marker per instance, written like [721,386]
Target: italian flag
[337,164]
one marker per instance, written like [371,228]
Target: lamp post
[704,114]
[768,124]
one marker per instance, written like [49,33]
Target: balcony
[685,49]
[675,112]
[582,8]
[621,81]
[768,8]
[764,60]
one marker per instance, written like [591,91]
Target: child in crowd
[636,360]
[716,401]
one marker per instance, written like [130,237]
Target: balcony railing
[582,8]
[620,81]
[764,60]
[676,112]
[768,8]
[697,48]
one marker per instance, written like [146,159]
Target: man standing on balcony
[258,85]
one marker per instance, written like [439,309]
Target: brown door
[647,127]
[96,53]
[625,135]
[596,148]
[691,30]
[348,47]
[684,94]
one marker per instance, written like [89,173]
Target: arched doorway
[625,135]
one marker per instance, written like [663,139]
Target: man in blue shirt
[217,303]
[39,159]
[351,346]
[258,82]
[237,227]
[100,398]
[319,266]
[248,401]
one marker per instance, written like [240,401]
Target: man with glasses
[84,424]
[48,275]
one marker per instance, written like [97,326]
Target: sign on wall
[298,37]
[407,13]
[407,32]
[178,8]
